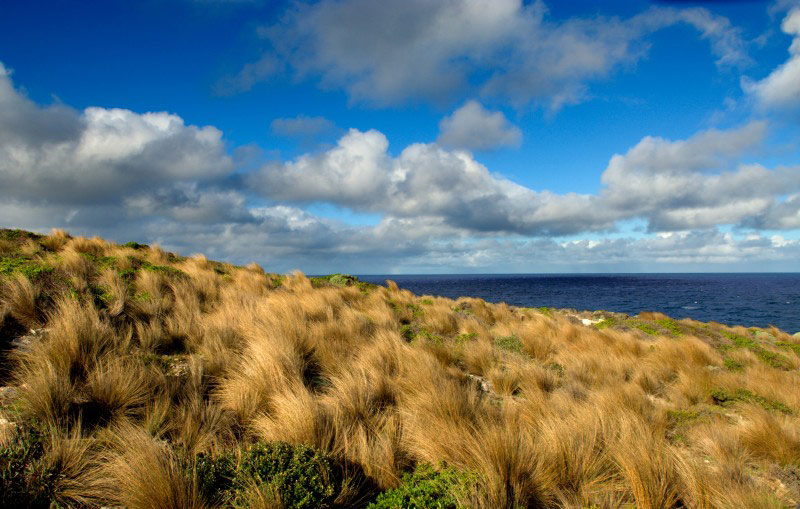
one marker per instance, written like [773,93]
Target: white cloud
[59,155]
[152,178]
[695,183]
[395,50]
[424,180]
[782,87]
[673,185]
[474,127]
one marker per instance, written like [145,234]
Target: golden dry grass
[147,359]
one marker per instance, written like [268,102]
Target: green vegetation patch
[426,487]
[416,311]
[100,262]
[670,325]
[164,269]
[645,327]
[17,234]
[726,397]
[135,245]
[138,263]
[29,268]
[341,280]
[216,476]
[509,343]
[771,358]
[466,337]
[768,357]
[682,419]
[737,340]
[408,332]
[733,365]
[606,323]
[303,477]
[24,480]
[685,417]
[102,297]
[791,346]
[430,337]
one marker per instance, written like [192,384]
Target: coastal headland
[136,377]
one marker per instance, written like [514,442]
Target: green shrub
[733,365]
[768,357]
[408,332]
[645,327]
[670,325]
[216,476]
[24,482]
[606,323]
[303,477]
[135,245]
[725,397]
[29,268]
[792,346]
[342,279]
[509,343]
[446,488]
[466,337]
[164,269]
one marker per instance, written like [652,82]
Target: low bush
[24,480]
[303,477]
[426,487]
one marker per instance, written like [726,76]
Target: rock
[7,394]
[796,335]
[483,384]
[24,342]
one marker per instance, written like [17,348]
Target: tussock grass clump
[139,378]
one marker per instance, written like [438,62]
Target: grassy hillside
[138,378]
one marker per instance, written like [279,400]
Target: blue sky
[410,136]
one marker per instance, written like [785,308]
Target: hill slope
[139,378]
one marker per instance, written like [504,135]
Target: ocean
[760,299]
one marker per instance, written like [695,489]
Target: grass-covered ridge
[135,377]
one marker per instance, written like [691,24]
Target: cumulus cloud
[474,127]
[59,155]
[150,177]
[672,184]
[782,87]
[428,181]
[694,183]
[301,126]
[389,52]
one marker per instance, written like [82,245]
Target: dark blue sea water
[736,299]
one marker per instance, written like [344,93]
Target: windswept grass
[138,378]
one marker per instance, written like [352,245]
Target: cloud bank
[151,177]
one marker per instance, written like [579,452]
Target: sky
[410,136]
